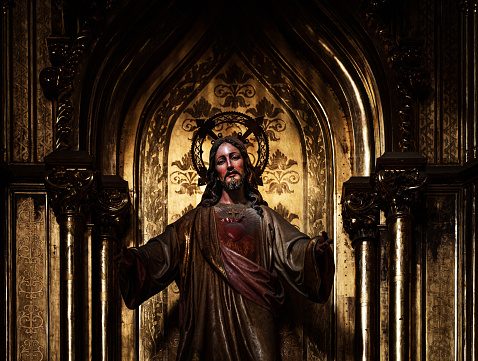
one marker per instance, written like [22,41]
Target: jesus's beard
[233,185]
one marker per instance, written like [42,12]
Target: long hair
[213,191]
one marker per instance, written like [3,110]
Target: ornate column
[398,181]
[469,64]
[111,214]
[361,214]
[70,184]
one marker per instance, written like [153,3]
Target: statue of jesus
[229,257]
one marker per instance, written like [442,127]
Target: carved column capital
[70,189]
[70,181]
[111,208]
[398,181]
[361,215]
[399,189]
[360,209]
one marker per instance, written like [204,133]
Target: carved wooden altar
[370,109]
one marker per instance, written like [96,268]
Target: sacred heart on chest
[235,230]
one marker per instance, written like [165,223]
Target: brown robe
[227,301]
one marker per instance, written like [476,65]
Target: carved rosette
[361,215]
[70,190]
[111,211]
[399,190]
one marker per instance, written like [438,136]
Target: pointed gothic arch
[140,90]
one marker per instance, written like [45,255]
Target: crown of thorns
[207,127]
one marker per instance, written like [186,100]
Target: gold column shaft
[106,308]
[72,237]
[110,215]
[366,289]
[361,215]
[400,236]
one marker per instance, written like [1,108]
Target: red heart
[235,230]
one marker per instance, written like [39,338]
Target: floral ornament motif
[69,189]
[176,216]
[201,109]
[186,177]
[314,143]
[236,90]
[31,350]
[271,124]
[286,214]
[31,284]
[152,331]
[31,318]
[399,190]
[280,177]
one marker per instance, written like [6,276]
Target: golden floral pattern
[278,175]
[31,288]
[236,89]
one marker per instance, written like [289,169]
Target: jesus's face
[229,166]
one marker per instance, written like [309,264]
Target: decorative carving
[69,189]
[31,284]
[186,177]
[404,58]
[44,132]
[285,213]
[440,276]
[21,145]
[154,174]
[236,89]
[201,109]
[398,189]
[30,264]
[152,328]
[175,217]
[361,215]
[31,350]
[112,210]
[272,124]
[280,177]
[65,55]
[31,318]
[427,117]
[314,143]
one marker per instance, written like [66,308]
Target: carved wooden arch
[129,79]
[129,62]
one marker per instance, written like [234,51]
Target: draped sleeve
[152,267]
[295,259]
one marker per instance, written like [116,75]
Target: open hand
[125,257]
[322,243]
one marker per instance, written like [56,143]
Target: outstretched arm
[147,270]
[306,264]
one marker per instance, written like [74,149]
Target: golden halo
[206,128]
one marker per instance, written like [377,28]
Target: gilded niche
[294,180]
